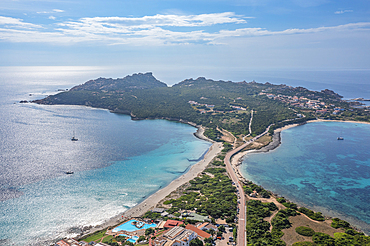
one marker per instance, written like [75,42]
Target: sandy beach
[349,121]
[276,141]
[155,198]
[194,171]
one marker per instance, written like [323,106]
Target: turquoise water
[116,161]
[311,167]
[133,239]
[127,226]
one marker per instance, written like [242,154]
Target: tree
[149,231]
[128,243]
[196,242]
[211,231]
[323,239]
[141,238]
[208,240]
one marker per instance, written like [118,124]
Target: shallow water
[313,168]
[116,161]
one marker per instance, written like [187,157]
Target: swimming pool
[128,226]
[133,239]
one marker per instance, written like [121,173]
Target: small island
[207,205]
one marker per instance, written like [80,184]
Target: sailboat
[340,138]
[73,138]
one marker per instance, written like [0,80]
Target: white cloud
[50,12]
[343,11]
[10,23]
[58,10]
[52,17]
[150,30]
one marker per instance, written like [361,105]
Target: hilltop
[220,106]
[128,83]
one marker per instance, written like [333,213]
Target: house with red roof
[172,223]
[199,232]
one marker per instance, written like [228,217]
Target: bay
[116,161]
[312,168]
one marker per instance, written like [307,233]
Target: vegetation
[305,231]
[303,244]
[94,237]
[149,231]
[311,214]
[290,205]
[227,147]
[196,242]
[153,100]
[281,221]
[152,215]
[258,229]
[323,239]
[249,187]
[219,106]
[209,196]
[338,223]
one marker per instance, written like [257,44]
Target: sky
[177,35]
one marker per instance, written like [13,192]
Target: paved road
[241,239]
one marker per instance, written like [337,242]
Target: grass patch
[107,239]
[94,237]
[305,231]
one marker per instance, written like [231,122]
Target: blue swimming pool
[128,226]
[133,239]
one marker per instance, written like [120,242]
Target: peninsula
[236,116]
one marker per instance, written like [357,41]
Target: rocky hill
[128,83]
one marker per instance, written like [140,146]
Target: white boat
[73,138]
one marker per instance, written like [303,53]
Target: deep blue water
[313,168]
[116,161]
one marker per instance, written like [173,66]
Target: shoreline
[237,159]
[151,201]
[276,141]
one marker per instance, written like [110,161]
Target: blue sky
[227,35]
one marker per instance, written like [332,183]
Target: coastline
[276,141]
[237,159]
[151,201]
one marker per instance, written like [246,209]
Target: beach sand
[237,159]
[155,198]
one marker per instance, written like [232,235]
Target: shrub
[303,244]
[141,238]
[311,214]
[281,199]
[290,205]
[338,223]
[305,231]
[323,239]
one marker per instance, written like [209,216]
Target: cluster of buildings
[205,110]
[180,235]
[211,106]
[73,242]
[302,102]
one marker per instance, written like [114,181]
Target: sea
[118,162]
